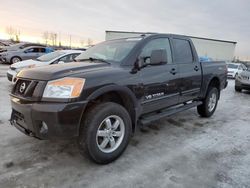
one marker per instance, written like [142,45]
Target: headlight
[64,88]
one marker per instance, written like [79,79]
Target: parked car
[119,85]
[205,59]
[18,46]
[60,56]
[234,69]
[242,80]
[25,53]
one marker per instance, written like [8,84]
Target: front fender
[113,88]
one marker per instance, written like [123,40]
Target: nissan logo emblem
[22,87]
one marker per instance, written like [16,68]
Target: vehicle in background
[82,49]
[18,46]
[4,44]
[60,56]
[234,69]
[205,59]
[31,52]
[119,85]
[242,80]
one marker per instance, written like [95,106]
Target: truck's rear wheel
[207,108]
[105,132]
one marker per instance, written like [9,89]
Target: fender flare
[209,82]
[114,88]
[125,91]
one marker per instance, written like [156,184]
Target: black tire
[13,59]
[203,109]
[87,140]
[237,88]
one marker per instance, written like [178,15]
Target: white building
[213,48]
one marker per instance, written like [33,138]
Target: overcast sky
[221,19]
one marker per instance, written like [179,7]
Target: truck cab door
[189,69]
[160,82]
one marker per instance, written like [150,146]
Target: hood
[26,63]
[61,70]
[233,70]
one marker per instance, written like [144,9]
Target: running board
[147,119]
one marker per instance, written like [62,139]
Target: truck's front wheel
[209,103]
[105,132]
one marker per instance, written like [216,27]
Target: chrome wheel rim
[110,134]
[212,102]
[15,60]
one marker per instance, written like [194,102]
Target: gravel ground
[183,150]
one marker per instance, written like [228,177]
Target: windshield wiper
[95,59]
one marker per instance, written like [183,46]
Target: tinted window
[31,50]
[36,50]
[156,44]
[50,56]
[113,50]
[74,56]
[68,58]
[42,50]
[183,52]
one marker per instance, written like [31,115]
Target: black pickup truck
[114,87]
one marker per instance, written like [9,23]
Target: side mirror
[61,62]
[158,57]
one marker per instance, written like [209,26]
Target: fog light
[44,128]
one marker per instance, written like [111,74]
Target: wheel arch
[14,57]
[214,82]
[118,94]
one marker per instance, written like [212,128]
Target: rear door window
[31,50]
[42,50]
[183,51]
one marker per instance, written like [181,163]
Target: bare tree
[82,42]
[17,36]
[10,32]
[70,41]
[53,38]
[13,33]
[90,42]
[46,37]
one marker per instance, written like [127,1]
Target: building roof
[150,33]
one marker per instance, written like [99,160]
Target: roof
[150,33]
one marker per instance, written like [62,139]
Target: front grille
[12,68]
[24,88]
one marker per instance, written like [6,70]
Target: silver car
[242,80]
[31,52]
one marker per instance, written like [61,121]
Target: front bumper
[231,75]
[62,119]
[3,59]
[242,83]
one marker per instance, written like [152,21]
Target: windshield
[232,66]
[50,56]
[114,51]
